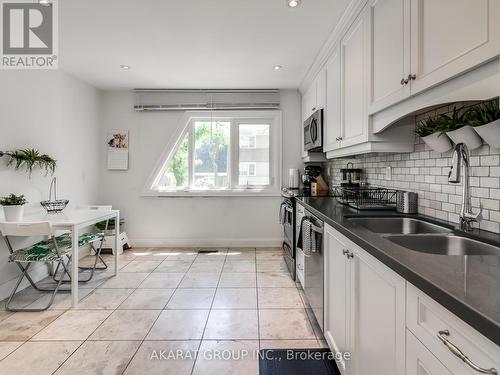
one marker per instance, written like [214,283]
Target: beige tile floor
[170,311]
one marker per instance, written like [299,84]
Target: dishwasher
[313,265]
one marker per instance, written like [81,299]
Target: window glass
[211,154]
[176,175]
[253,155]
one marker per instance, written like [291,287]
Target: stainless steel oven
[313,132]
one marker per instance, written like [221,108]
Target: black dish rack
[366,198]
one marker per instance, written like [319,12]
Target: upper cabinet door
[332,117]
[389,52]
[321,90]
[449,37]
[354,83]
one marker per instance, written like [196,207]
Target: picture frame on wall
[118,146]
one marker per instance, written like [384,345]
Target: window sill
[214,193]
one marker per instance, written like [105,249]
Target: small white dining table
[74,220]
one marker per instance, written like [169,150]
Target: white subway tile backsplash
[426,172]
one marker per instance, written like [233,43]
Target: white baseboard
[215,242]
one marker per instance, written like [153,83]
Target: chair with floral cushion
[90,239]
[49,250]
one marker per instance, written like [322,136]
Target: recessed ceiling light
[278,67]
[293,3]
[45,3]
[126,67]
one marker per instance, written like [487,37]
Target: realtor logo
[28,34]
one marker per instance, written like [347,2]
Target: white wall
[153,221]
[59,115]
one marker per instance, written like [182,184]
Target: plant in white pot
[13,207]
[431,132]
[459,131]
[485,118]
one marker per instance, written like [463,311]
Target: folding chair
[48,250]
[88,239]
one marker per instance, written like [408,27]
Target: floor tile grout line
[137,287]
[208,317]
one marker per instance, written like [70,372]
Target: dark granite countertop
[468,286]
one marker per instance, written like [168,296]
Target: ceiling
[193,43]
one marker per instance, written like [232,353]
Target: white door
[420,361]
[332,123]
[337,284]
[354,83]
[379,310]
[389,52]
[449,37]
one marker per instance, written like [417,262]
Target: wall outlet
[388,173]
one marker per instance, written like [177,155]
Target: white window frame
[271,117]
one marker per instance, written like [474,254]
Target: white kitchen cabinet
[337,296]
[314,98]
[332,114]
[449,37]
[388,52]
[427,319]
[379,317]
[420,361]
[364,309]
[354,119]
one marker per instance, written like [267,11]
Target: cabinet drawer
[428,320]
[420,361]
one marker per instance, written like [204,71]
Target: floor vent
[206,251]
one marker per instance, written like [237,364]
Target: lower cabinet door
[420,361]
[378,296]
[336,299]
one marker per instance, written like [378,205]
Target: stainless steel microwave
[313,132]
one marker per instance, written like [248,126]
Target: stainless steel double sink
[425,237]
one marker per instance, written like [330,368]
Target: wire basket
[56,205]
[363,198]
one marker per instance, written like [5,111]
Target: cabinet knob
[412,77]
[340,138]
[314,109]
[404,81]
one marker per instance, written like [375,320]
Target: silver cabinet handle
[457,352]
[348,254]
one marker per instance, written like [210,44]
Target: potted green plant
[29,159]
[485,118]
[13,207]
[431,132]
[459,131]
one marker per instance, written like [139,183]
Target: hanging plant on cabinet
[29,159]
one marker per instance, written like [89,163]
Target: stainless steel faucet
[460,166]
